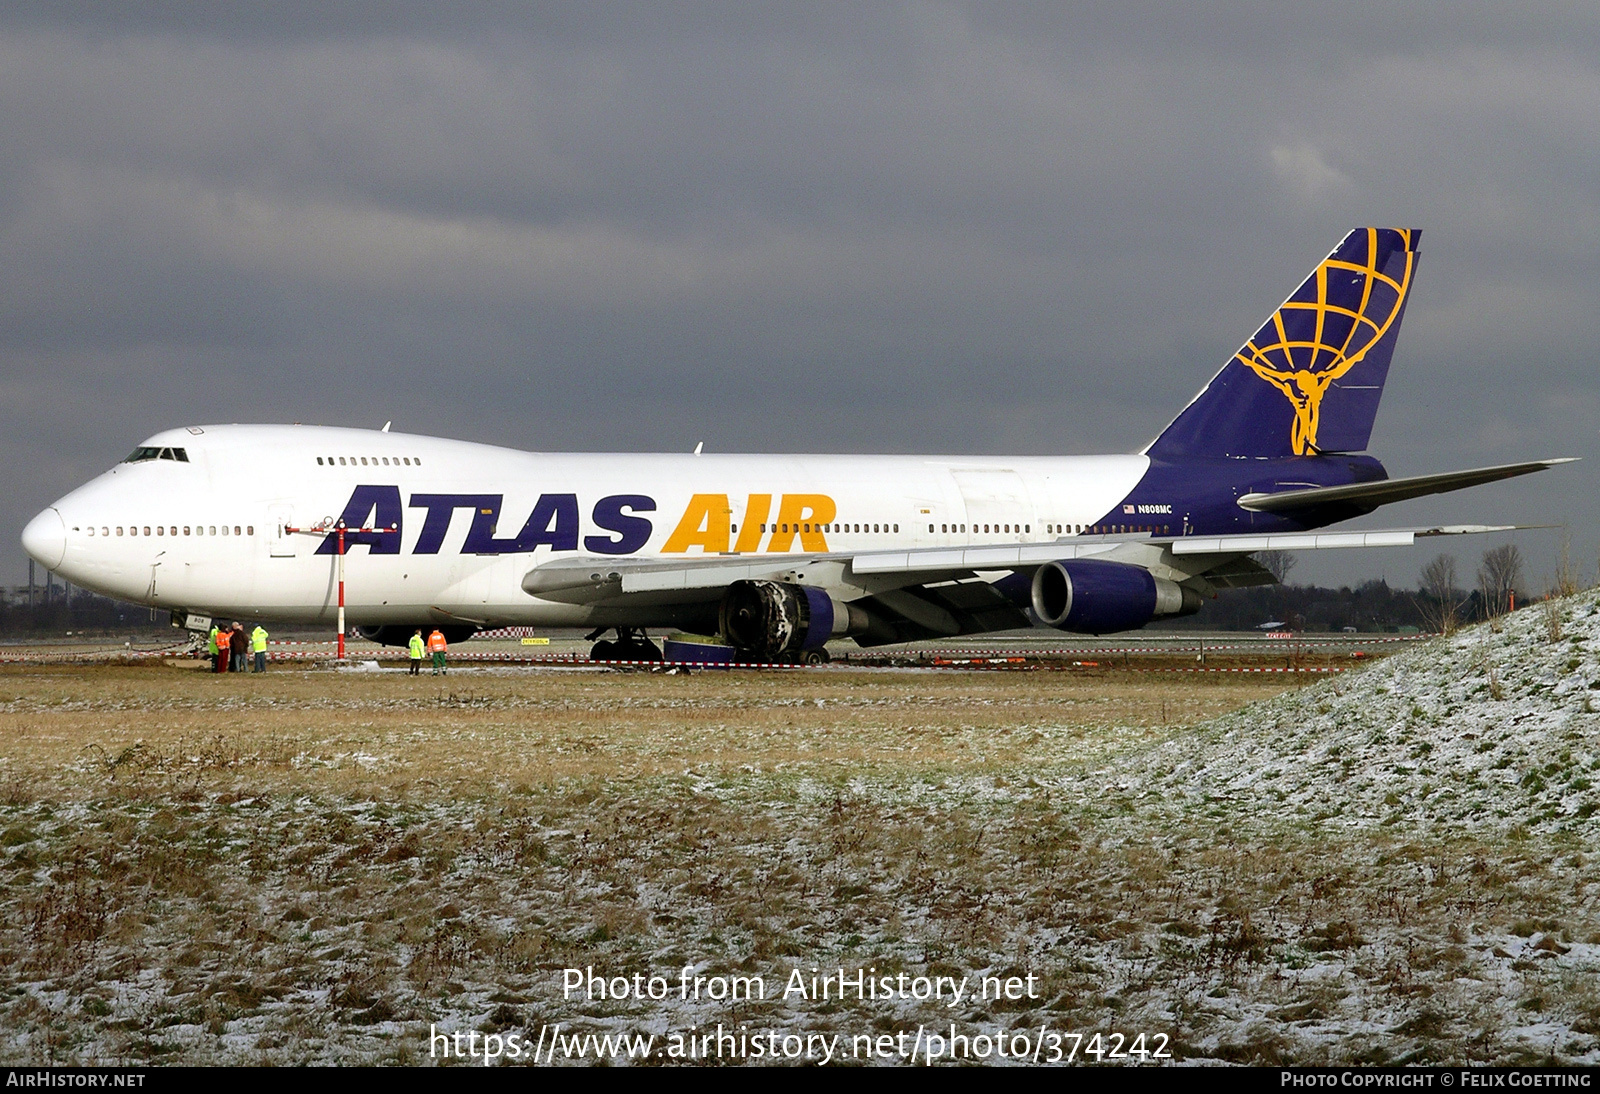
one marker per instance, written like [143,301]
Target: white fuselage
[214,533]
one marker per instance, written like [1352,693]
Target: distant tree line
[1370,606]
[1439,603]
[55,610]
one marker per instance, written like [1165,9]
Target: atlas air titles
[773,523]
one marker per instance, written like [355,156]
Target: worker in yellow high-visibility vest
[416,652]
[258,646]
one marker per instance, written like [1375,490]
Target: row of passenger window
[804,526]
[1063,529]
[1113,529]
[172,530]
[990,529]
[1060,529]
[1014,529]
[983,529]
[384,461]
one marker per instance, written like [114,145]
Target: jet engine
[1092,596]
[776,621]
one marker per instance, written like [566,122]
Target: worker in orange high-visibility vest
[437,646]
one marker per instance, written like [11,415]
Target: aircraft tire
[818,656]
[603,651]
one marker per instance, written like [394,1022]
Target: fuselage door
[281,518]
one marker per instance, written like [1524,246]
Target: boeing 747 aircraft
[775,554]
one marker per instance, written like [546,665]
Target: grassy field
[320,866]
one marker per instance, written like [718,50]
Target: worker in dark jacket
[239,648]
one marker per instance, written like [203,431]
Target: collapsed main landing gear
[630,645]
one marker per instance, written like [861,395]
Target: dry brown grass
[311,866]
[353,732]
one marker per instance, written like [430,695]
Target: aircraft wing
[695,578]
[1370,495]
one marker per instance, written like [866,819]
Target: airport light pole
[340,530]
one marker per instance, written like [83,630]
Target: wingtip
[1480,529]
[1467,529]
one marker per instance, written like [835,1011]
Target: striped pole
[341,590]
[339,530]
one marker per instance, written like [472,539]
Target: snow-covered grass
[316,867]
[1494,731]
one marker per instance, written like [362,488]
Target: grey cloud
[980,228]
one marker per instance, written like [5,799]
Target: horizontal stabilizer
[1384,491]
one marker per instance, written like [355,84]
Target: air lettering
[803,515]
[704,525]
[755,523]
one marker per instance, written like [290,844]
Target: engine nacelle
[773,619]
[1092,596]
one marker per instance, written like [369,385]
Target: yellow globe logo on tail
[1323,331]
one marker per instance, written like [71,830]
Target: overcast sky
[1028,228]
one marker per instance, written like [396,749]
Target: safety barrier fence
[1161,645]
[124,655]
[35,656]
[1040,648]
[1043,653]
[1035,646]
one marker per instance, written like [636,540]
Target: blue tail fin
[1310,379]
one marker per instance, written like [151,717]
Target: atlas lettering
[709,524]
[553,523]
[370,507]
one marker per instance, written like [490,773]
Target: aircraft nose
[45,539]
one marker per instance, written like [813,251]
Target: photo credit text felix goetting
[923,1041]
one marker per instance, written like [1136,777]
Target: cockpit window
[146,452]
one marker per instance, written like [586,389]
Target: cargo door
[996,497]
